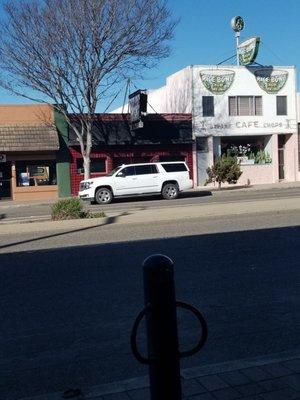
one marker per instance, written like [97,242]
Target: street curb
[188,373]
[25,220]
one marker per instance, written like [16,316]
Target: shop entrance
[281,144]
[5,178]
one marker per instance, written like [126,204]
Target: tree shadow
[108,221]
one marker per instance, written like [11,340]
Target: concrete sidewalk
[274,377]
[140,215]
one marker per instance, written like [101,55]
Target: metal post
[161,322]
[237,35]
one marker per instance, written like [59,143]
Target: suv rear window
[145,169]
[174,167]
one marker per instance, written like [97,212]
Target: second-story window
[281,105]
[245,105]
[208,106]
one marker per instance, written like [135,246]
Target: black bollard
[161,322]
[161,325]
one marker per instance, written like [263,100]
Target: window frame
[285,105]
[254,109]
[209,111]
[80,171]
[165,165]
[152,168]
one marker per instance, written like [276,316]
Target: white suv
[167,178]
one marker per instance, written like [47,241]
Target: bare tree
[75,52]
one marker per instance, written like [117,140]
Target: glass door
[281,143]
[5,177]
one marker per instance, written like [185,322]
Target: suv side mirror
[121,174]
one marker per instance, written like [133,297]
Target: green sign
[271,80]
[217,81]
[248,50]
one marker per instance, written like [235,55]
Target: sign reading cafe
[217,81]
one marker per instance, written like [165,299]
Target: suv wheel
[170,191]
[103,196]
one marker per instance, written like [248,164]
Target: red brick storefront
[165,137]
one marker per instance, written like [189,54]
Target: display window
[248,150]
[36,173]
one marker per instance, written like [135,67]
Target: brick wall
[114,155]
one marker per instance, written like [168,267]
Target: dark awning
[115,129]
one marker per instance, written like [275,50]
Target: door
[124,182]
[5,178]
[137,179]
[281,143]
[147,179]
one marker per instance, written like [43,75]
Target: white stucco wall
[184,90]
[244,84]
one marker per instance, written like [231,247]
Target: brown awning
[28,138]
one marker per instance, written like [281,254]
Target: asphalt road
[10,211]
[67,313]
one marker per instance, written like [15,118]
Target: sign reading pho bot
[248,50]
[217,81]
[138,108]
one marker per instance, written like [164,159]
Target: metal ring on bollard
[136,353]
[203,338]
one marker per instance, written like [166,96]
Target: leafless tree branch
[75,51]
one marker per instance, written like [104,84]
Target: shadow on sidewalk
[67,313]
[109,221]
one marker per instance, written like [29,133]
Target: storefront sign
[271,80]
[137,106]
[248,50]
[217,81]
[287,124]
[2,158]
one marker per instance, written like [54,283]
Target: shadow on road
[67,313]
[135,199]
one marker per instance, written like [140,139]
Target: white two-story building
[249,112]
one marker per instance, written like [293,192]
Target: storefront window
[36,173]
[245,105]
[97,165]
[249,150]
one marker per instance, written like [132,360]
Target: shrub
[68,209]
[225,169]
[72,209]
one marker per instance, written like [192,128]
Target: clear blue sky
[204,36]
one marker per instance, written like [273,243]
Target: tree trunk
[86,166]
[219,185]
[87,152]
